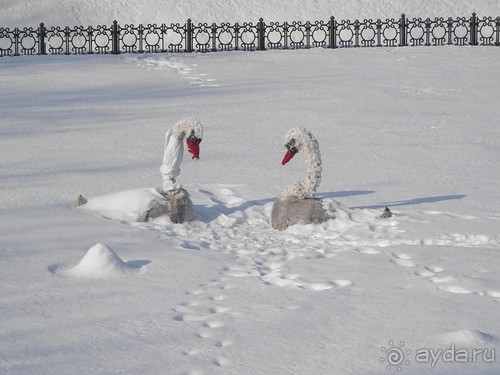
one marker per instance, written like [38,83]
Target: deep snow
[95,290]
[17,13]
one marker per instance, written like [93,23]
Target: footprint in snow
[402,259]
[454,289]
[429,271]
[368,250]
[493,293]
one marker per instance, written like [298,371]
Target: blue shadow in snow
[207,214]
[414,201]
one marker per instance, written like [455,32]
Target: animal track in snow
[224,343]
[205,315]
[214,324]
[441,279]
[187,72]
[402,259]
[454,289]
[368,250]
[493,293]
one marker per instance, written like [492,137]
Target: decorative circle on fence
[152,38]
[461,30]
[390,32]
[319,34]
[368,35]
[28,42]
[487,29]
[345,34]
[102,38]
[173,37]
[55,42]
[78,41]
[129,38]
[274,35]
[417,30]
[297,36]
[225,39]
[438,32]
[247,36]
[102,41]
[202,37]
[6,41]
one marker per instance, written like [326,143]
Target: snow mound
[100,262]
[470,338]
[128,205]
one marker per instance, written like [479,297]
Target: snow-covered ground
[94,290]
[93,12]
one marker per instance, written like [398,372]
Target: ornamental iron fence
[203,37]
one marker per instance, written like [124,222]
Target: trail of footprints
[437,275]
[205,313]
[187,72]
[268,259]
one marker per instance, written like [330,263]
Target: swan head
[295,140]
[193,145]
[191,129]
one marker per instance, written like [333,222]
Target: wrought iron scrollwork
[204,37]
[460,31]
[7,42]
[319,34]
[368,33]
[174,37]
[486,30]
[247,36]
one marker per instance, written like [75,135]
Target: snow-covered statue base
[296,204]
[175,203]
[289,211]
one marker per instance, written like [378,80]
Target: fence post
[189,36]
[41,40]
[379,32]
[261,34]
[356,33]
[308,34]
[450,30]
[115,38]
[473,30]
[214,37]
[428,24]
[498,31]
[236,36]
[402,31]
[332,40]
[140,31]
[16,41]
[90,33]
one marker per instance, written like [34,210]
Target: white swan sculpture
[296,204]
[174,200]
[173,151]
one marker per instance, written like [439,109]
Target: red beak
[194,147]
[288,156]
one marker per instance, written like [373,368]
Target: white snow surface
[97,290]
[103,12]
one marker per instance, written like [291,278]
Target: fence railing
[202,37]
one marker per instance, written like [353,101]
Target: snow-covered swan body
[174,201]
[296,204]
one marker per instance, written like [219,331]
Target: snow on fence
[203,37]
